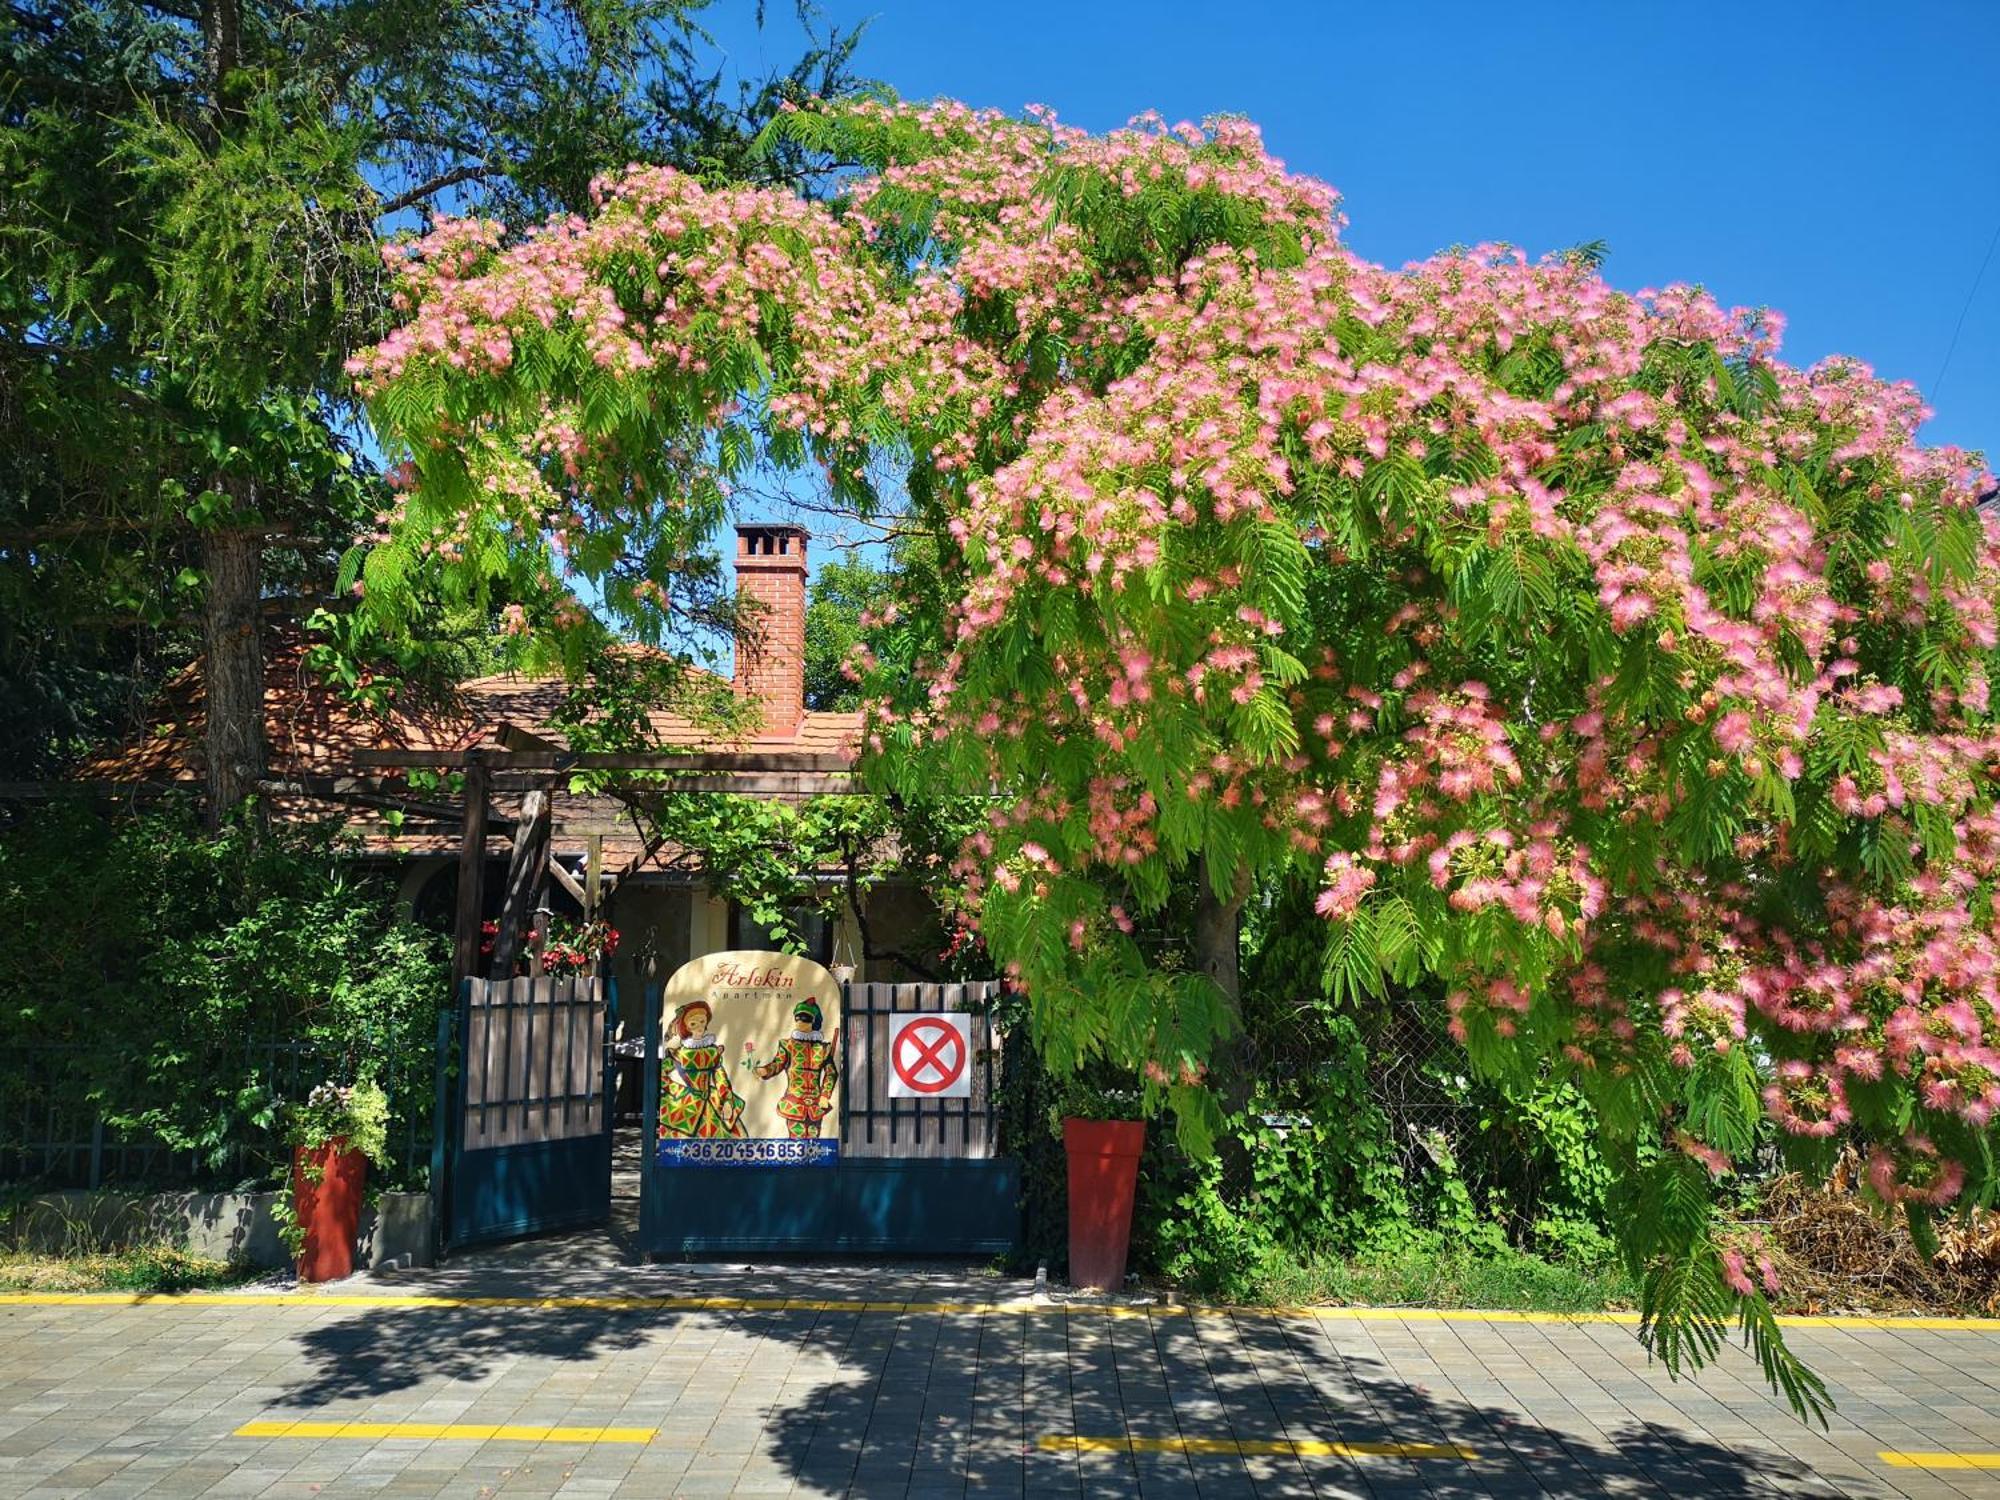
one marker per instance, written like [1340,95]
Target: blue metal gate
[913,1176]
[524,1095]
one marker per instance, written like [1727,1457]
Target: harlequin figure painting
[806,1058]
[696,1099]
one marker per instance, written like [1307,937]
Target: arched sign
[749,1061]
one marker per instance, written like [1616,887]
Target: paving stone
[146,1400]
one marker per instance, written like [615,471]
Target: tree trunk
[231,556]
[232,667]
[1217,954]
[221,47]
[1215,947]
[527,877]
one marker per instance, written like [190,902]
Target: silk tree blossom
[1347,883]
[1742,1250]
[1806,1102]
[1566,648]
[1911,1171]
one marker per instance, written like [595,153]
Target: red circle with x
[919,1056]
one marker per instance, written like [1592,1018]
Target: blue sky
[1838,161]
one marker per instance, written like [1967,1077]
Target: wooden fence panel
[534,1061]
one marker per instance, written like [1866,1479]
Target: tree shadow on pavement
[994,1406]
[381,1353]
[874,1403]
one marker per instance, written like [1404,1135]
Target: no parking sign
[930,1056]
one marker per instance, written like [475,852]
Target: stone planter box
[395,1231]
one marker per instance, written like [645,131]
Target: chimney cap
[771,540]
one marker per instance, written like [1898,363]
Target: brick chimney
[771,651]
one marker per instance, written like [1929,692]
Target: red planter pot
[1103,1171]
[329,1210]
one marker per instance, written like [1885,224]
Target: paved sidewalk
[667,1381]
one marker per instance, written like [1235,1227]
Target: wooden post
[471,875]
[567,881]
[593,877]
[527,872]
[538,940]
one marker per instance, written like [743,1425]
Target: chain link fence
[1439,1122]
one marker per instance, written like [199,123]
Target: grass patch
[1510,1281]
[153,1268]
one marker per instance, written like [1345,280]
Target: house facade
[326,762]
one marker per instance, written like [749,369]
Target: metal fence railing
[1419,1079]
[875,1124]
[58,1104]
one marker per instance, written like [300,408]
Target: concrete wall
[219,1226]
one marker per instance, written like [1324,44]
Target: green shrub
[160,1268]
[356,1113]
[159,967]
[1310,1169]
[1322,1170]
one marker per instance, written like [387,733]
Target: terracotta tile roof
[312,733]
[310,729]
[530,704]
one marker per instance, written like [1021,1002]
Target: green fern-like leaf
[1804,1391]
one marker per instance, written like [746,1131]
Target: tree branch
[868,948]
[471,172]
[126,525]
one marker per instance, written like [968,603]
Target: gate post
[606,1044]
[441,1125]
[649,1112]
[471,874]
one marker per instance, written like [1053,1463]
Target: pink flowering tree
[1622,681]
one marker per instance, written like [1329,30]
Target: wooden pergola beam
[545,760]
[94,786]
[568,881]
[751,773]
[370,794]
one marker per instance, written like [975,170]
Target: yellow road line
[1253,1447]
[1939,1460]
[924,1309]
[469,1432]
